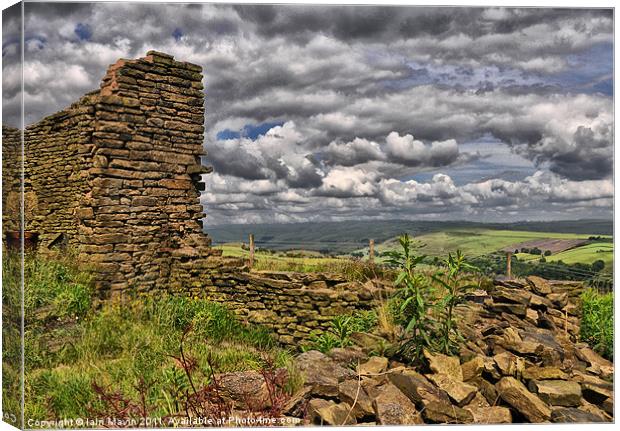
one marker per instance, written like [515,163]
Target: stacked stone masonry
[292,305]
[116,177]
[11,177]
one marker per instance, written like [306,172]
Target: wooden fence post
[251,250]
[371,251]
[508,265]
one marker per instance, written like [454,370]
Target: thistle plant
[457,279]
[414,297]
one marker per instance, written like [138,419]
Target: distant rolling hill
[347,236]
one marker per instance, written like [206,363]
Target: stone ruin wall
[116,177]
[142,214]
[57,157]
[11,161]
[292,305]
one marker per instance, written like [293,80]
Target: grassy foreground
[11,340]
[132,348]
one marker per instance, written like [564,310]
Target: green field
[526,257]
[308,261]
[348,236]
[476,242]
[587,254]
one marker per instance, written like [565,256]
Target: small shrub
[597,322]
[364,320]
[425,310]
[598,265]
[322,342]
[340,330]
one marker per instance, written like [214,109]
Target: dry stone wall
[57,156]
[56,159]
[116,177]
[292,305]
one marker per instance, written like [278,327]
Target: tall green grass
[11,339]
[70,344]
[597,322]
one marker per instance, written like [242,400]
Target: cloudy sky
[336,113]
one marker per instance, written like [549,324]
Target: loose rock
[321,372]
[416,387]
[472,368]
[375,365]
[442,364]
[491,415]
[394,408]
[461,393]
[352,393]
[557,392]
[328,412]
[529,405]
[446,413]
[573,415]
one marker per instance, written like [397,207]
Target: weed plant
[340,330]
[457,278]
[425,300]
[413,299]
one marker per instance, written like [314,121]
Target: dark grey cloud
[386,23]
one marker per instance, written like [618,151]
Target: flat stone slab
[557,392]
[491,415]
[461,393]
[375,365]
[392,407]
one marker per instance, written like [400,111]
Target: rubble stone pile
[521,362]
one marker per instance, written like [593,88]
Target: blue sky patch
[83,31]
[177,34]
[589,72]
[250,131]
[496,160]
